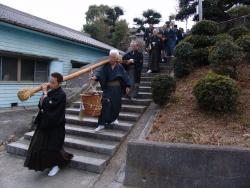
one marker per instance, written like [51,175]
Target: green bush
[200,41]
[182,63]
[163,86]
[216,93]
[183,50]
[244,43]
[239,11]
[239,31]
[182,68]
[205,27]
[225,54]
[200,57]
[222,37]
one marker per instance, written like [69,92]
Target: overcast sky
[71,13]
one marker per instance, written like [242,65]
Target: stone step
[122,116]
[133,108]
[146,78]
[144,102]
[82,160]
[162,67]
[106,134]
[92,122]
[125,107]
[145,89]
[145,95]
[145,74]
[147,83]
[87,144]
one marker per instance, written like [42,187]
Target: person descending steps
[114,83]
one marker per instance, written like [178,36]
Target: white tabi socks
[100,127]
[53,171]
[116,122]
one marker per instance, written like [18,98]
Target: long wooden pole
[26,93]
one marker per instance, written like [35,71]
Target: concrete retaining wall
[153,165]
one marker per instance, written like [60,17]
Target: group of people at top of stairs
[160,44]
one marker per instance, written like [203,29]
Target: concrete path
[14,175]
[15,122]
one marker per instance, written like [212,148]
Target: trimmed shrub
[182,63]
[239,11]
[239,31]
[225,54]
[200,57]
[200,41]
[244,43]
[222,37]
[183,50]
[163,86]
[182,68]
[216,93]
[205,27]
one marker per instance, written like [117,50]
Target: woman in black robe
[46,147]
[114,83]
[155,47]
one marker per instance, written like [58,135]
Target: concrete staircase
[92,151]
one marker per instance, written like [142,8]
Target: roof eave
[49,33]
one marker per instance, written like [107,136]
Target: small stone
[246,136]
[2,148]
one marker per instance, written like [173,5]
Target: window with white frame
[8,70]
[23,69]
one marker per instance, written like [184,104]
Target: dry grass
[181,121]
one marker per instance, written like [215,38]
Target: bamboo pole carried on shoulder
[26,93]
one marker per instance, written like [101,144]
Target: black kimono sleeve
[53,111]
[141,60]
[126,57]
[126,80]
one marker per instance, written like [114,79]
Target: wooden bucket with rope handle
[91,103]
[91,100]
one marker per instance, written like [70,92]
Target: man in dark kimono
[46,147]
[134,63]
[114,83]
[155,47]
[147,34]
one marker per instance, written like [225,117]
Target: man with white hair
[114,83]
[134,63]
[155,47]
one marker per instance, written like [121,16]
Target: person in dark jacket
[180,34]
[170,35]
[114,83]
[155,48]
[134,64]
[147,34]
[46,147]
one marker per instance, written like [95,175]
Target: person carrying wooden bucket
[114,82]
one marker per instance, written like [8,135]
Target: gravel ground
[14,123]
[181,121]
